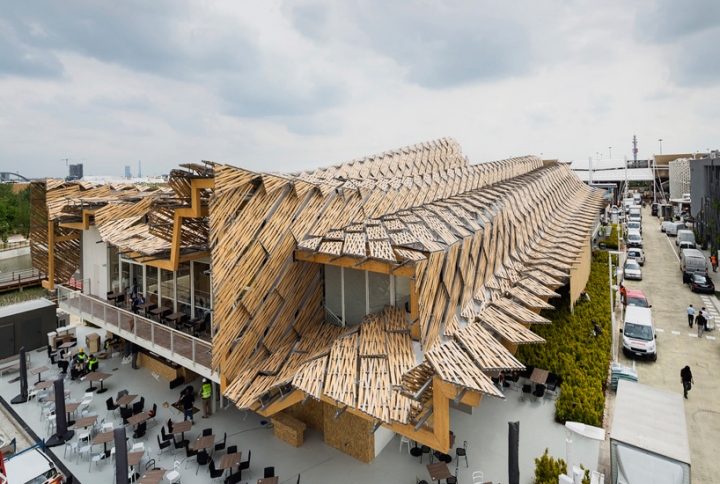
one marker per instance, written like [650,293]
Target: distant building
[76,172]
[127,172]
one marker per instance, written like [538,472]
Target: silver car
[632,270]
[634,226]
[637,255]
[634,239]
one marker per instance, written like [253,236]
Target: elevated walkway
[186,350]
[9,281]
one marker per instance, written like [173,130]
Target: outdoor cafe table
[147,306]
[268,480]
[203,442]
[176,318]
[539,376]
[97,376]
[70,408]
[139,418]
[43,385]
[160,312]
[104,438]
[133,460]
[126,399]
[438,471]
[38,371]
[85,422]
[67,345]
[152,477]
[181,428]
[228,461]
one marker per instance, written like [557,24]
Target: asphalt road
[678,345]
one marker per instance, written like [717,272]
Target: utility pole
[610,152]
[660,140]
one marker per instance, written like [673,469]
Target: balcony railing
[184,349]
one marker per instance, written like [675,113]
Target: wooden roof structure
[470,236]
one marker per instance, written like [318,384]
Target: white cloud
[282,86]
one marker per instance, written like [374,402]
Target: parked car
[685,236]
[636,254]
[686,245]
[635,297]
[701,283]
[639,333]
[634,239]
[632,270]
[634,225]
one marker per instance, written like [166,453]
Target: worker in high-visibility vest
[93,363]
[206,394]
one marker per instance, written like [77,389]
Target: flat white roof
[652,419]
[633,174]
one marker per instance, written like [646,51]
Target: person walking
[713,261]
[206,394]
[686,379]
[691,315]
[134,350]
[188,401]
[700,321]
[623,296]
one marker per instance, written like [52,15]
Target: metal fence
[185,349]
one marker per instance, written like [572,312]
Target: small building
[26,324]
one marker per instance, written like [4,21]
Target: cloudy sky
[283,86]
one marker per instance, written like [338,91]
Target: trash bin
[92,342]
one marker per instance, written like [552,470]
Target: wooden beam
[84,225]
[51,257]
[414,312]
[165,263]
[451,391]
[280,405]
[68,237]
[406,270]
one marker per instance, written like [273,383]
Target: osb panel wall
[350,434]
[311,414]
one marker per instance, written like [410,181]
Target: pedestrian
[700,321]
[623,295]
[134,349]
[188,401]
[686,379]
[713,261]
[691,315]
[134,289]
[206,394]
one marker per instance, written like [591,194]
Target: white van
[637,199]
[635,211]
[30,467]
[692,261]
[684,235]
[672,228]
[638,333]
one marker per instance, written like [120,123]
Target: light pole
[660,140]
[610,152]
[612,303]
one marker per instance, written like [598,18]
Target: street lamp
[612,288]
[610,152]
[660,140]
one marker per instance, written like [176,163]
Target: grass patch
[580,359]
[17,296]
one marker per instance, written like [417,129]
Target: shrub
[611,242]
[548,469]
[572,351]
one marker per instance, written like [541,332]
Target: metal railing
[182,348]
[19,276]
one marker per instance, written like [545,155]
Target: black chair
[137,408]
[150,466]
[539,392]
[526,388]
[221,445]
[120,300]
[153,414]
[424,450]
[142,403]
[462,452]
[246,464]
[268,472]
[234,478]
[111,407]
[188,454]
[162,445]
[203,326]
[214,473]
[452,479]
[179,444]
[207,432]
[203,459]
[552,383]
[232,449]
[165,436]
[126,413]
[527,372]
[140,431]
[121,394]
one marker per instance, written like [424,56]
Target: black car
[701,283]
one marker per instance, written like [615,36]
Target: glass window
[167,289]
[136,277]
[201,288]
[402,292]
[183,288]
[114,263]
[125,274]
[355,297]
[333,290]
[378,290]
[152,285]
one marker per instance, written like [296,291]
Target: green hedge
[611,242]
[548,469]
[580,359]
